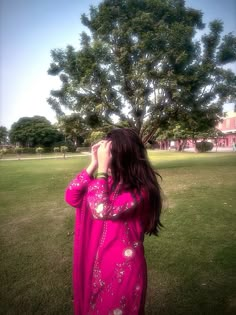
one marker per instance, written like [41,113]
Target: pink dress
[109,268]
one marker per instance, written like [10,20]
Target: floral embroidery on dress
[106,208]
[113,284]
[120,271]
[99,209]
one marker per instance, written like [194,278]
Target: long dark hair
[131,165]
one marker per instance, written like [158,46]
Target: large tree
[34,131]
[141,64]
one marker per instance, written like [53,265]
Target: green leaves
[227,50]
[3,135]
[141,63]
[32,131]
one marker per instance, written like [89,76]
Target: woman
[112,215]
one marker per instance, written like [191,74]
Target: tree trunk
[166,144]
[178,145]
[195,148]
[216,143]
[182,144]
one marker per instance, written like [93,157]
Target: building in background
[228,128]
[226,137]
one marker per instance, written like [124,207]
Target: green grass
[191,264]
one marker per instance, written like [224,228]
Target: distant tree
[141,64]
[3,135]
[34,131]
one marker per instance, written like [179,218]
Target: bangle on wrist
[102,175]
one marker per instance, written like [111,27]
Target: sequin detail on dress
[117,311]
[128,252]
[109,269]
[102,207]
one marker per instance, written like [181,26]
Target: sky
[30,29]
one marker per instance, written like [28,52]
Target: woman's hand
[104,156]
[94,150]
[94,158]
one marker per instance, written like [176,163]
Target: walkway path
[219,149]
[45,157]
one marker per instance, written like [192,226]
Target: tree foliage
[80,130]
[3,135]
[34,131]
[140,63]
[73,128]
[95,136]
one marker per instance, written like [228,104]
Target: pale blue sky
[29,29]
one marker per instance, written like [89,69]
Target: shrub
[69,144]
[2,152]
[56,149]
[9,150]
[18,150]
[29,150]
[64,149]
[148,146]
[39,150]
[47,149]
[204,146]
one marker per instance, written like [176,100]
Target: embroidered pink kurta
[109,268]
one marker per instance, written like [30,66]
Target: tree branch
[148,136]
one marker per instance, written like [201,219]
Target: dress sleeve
[102,207]
[76,188]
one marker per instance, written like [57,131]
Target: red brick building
[228,127]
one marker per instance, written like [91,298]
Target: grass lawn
[191,264]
